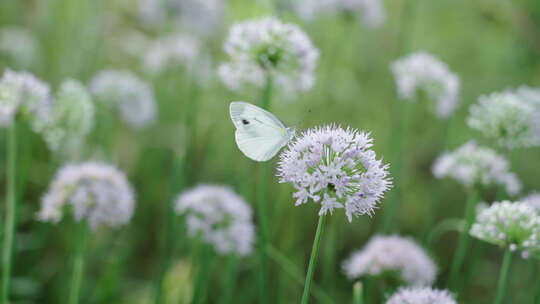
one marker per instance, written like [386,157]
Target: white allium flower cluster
[424,295]
[473,165]
[514,225]
[532,200]
[199,16]
[511,118]
[174,50]
[23,93]
[19,45]
[97,192]
[72,117]
[220,217]
[392,254]
[336,168]
[372,11]
[423,72]
[267,47]
[133,97]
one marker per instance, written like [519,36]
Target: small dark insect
[245,122]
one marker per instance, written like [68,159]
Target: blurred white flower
[19,45]
[372,11]
[133,97]
[473,165]
[199,16]
[23,93]
[219,216]
[424,295]
[532,200]
[174,50]
[96,192]
[267,47]
[423,72]
[336,168]
[507,118]
[152,12]
[512,225]
[72,118]
[179,50]
[392,254]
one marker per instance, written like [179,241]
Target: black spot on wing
[245,122]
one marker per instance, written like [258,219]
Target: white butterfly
[259,134]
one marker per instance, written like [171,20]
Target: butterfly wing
[259,134]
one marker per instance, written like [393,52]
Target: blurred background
[490,45]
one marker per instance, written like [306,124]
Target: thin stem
[78,264]
[440,229]
[503,276]
[180,178]
[537,293]
[328,269]
[293,271]
[401,114]
[464,238]
[262,193]
[358,293]
[313,259]
[229,284]
[11,209]
[199,289]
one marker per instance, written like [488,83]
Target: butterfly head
[291,131]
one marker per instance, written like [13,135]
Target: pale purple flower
[336,168]
[130,95]
[219,216]
[473,165]
[371,11]
[423,72]
[266,47]
[199,16]
[511,118]
[392,253]
[515,225]
[71,119]
[19,45]
[532,200]
[96,192]
[424,295]
[22,92]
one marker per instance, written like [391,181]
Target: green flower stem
[328,267]
[313,260]
[78,263]
[464,238]
[229,283]
[294,272]
[536,299]
[358,293]
[401,114]
[501,286]
[435,189]
[180,178]
[435,233]
[11,210]
[201,281]
[262,198]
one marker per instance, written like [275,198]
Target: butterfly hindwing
[259,134]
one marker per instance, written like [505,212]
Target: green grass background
[491,45]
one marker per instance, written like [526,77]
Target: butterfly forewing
[259,134]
